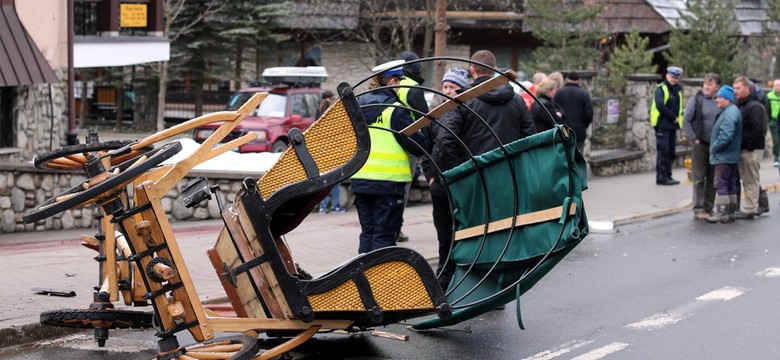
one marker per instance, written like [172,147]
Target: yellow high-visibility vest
[403,93]
[655,113]
[387,160]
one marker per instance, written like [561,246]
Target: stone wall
[22,187]
[39,119]
[347,62]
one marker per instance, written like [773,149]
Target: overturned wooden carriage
[518,211]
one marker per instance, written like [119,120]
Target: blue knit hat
[726,92]
[457,76]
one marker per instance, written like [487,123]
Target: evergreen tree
[707,39]
[629,58]
[569,32]
[250,23]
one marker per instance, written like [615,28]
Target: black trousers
[665,141]
[442,220]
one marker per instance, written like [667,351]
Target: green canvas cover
[549,172]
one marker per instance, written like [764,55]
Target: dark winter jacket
[400,120]
[501,109]
[577,108]
[671,109]
[542,120]
[753,123]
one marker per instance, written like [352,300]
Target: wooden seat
[255,266]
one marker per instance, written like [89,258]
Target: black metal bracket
[298,143]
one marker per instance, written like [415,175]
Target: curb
[18,335]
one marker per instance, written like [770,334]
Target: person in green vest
[380,184]
[774,103]
[414,99]
[666,114]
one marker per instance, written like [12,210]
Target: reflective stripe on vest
[403,93]
[387,160]
[774,103]
[655,113]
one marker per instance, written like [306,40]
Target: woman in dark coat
[546,92]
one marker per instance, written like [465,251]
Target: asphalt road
[669,288]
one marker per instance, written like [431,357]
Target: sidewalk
[56,260]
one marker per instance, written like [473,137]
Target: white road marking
[673,316]
[562,349]
[769,272]
[602,351]
[726,293]
[658,321]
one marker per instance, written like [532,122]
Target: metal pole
[72,136]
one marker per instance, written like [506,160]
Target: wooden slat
[266,269]
[231,292]
[461,98]
[520,220]
[228,324]
[109,248]
[257,274]
[187,294]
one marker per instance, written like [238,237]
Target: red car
[291,103]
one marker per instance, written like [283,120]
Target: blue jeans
[380,220]
[334,196]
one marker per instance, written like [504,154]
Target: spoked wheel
[88,318]
[74,157]
[101,185]
[237,347]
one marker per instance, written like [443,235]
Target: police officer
[666,117]
[380,184]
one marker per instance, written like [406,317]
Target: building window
[6,117]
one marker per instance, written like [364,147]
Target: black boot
[763,202]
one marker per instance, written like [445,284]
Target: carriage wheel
[77,195]
[87,318]
[74,157]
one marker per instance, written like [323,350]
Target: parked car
[294,95]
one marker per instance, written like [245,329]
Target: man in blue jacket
[724,155]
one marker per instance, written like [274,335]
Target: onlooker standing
[699,118]
[753,139]
[774,102]
[666,117]
[577,106]
[379,185]
[454,81]
[503,110]
[724,155]
[545,91]
[532,85]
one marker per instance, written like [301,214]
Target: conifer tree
[569,31]
[629,58]
[707,39]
